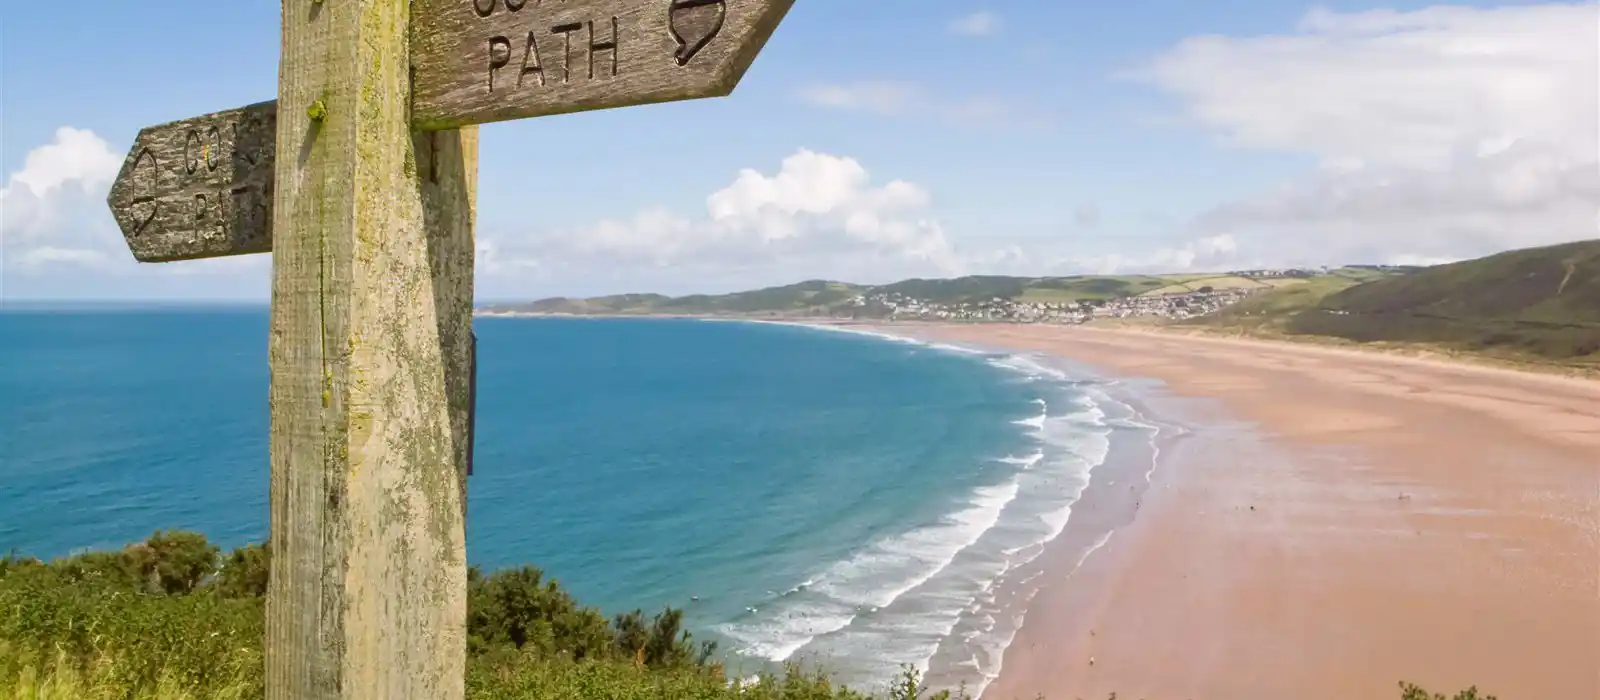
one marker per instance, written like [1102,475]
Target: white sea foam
[936,591]
[1036,422]
[1002,641]
[1027,366]
[879,335]
[872,578]
[1024,463]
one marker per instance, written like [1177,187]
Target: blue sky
[876,139]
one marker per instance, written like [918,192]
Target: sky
[875,140]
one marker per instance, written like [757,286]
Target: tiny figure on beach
[1091,661]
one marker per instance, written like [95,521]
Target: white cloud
[1529,194]
[54,217]
[1397,88]
[54,181]
[1446,132]
[818,215]
[76,155]
[52,211]
[976,24]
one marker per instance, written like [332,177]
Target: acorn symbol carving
[693,27]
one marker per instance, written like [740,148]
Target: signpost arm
[371,303]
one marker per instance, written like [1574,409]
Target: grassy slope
[822,297]
[1538,304]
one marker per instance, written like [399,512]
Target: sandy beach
[1379,519]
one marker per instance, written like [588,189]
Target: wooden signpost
[360,179]
[199,188]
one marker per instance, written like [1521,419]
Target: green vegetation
[811,296]
[824,298]
[172,618]
[1270,310]
[1539,304]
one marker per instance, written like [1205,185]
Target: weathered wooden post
[360,179]
[371,311]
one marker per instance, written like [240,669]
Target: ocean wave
[882,335]
[875,577]
[995,650]
[1023,463]
[943,591]
[1028,367]
[1036,422]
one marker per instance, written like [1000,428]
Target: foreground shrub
[173,619]
[121,636]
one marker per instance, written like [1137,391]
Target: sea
[824,495]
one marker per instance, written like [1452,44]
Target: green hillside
[1540,303]
[821,297]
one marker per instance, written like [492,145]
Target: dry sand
[1404,519]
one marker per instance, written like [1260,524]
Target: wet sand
[1379,519]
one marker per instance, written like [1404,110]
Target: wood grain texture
[371,304]
[449,163]
[199,187]
[528,58]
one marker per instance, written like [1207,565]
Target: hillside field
[1537,304]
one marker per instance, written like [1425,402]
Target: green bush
[244,573]
[172,619]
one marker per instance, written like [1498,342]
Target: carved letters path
[199,188]
[475,61]
[480,61]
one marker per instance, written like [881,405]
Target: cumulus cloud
[976,24]
[54,223]
[817,215]
[1443,133]
[47,198]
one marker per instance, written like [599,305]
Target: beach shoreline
[1420,352]
[1346,520]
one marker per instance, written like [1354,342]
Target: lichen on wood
[371,310]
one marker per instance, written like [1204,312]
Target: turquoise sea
[803,493]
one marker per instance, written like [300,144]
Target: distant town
[1182,305]
[1059,300]
[1174,305]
